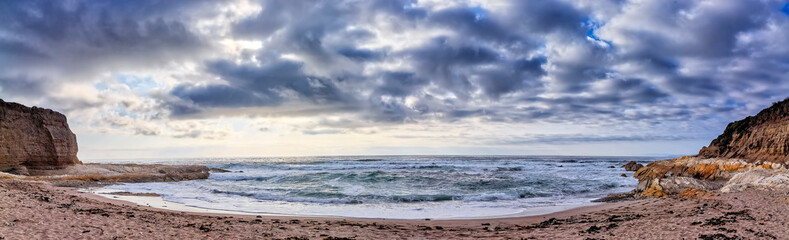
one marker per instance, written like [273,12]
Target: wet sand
[36,210]
[156,201]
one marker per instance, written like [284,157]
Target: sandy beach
[394,119]
[38,210]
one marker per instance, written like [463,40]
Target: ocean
[403,187]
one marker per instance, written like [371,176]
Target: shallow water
[397,186]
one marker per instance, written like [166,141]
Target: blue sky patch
[140,85]
[593,25]
[785,9]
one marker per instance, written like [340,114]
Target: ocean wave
[369,160]
[509,169]
[489,181]
[339,198]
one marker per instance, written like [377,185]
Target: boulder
[34,138]
[632,166]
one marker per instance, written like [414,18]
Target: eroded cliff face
[764,137]
[34,138]
[751,153]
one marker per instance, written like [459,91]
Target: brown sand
[34,210]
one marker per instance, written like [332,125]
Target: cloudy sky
[161,78]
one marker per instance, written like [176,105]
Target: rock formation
[670,177]
[764,137]
[751,153]
[632,166]
[38,142]
[34,138]
[113,173]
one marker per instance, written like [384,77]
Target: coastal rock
[764,179]
[675,185]
[632,166]
[764,137]
[34,138]
[110,173]
[219,170]
[673,176]
[713,169]
[751,153]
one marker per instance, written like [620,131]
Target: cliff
[34,138]
[751,153]
[764,137]
[38,142]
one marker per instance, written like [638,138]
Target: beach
[394,119]
[38,210]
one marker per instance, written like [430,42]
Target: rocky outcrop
[760,179]
[632,166]
[110,173]
[751,153]
[87,175]
[764,137]
[670,177]
[38,142]
[34,138]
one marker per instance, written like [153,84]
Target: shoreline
[39,210]
[158,202]
[452,222]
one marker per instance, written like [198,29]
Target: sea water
[405,187]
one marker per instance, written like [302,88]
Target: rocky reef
[37,144]
[751,153]
[83,175]
[34,138]
[632,166]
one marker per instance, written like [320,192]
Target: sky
[245,78]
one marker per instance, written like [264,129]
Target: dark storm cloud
[361,54]
[512,76]
[407,61]
[16,50]
[546,16]
[492,54]
[400,84]
[267,81]
[254,86]
[449,66]
[22,85]
[711,34]
[475,23]
[222,96]
[302,27]
[60,42]
[105,27]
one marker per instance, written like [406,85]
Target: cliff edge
[37,144]
[764,137]
[34,138]
[751,153]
